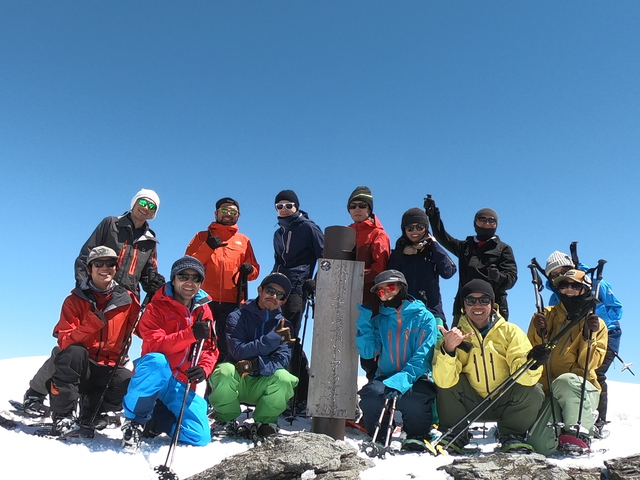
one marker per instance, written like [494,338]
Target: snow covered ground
[29,457]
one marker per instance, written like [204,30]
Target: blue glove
[391,393]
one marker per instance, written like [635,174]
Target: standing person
[466,376]
[609,309]
[298,243]
[422,260]
[94,325]
[227,255]
[169,329]
[402,336]
[568,363]
[135,244]
[259,341]
[483,256]
[373,248]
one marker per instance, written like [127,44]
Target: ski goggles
[104,263]
[571,285]
[391,288]
[361,206]
[185,277]
[146,203]
[418,226]
[288,206]
[471,301]
[228,211]
[490,220]
[560,272]
[269,290]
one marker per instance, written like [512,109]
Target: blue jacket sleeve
[367,336]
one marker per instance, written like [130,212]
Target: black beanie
[414,215]
[364,194]
[483,212]
[477,286]
[279,279]
[224,200]
[288,195]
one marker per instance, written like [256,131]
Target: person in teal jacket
[402,336]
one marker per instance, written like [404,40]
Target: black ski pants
[75,374]
[601,373]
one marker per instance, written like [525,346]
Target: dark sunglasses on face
[471,301]
[419,227]
[490,220]
[388,288]
[361,206]
[185,277]
[104,263]
[228,211]
[269,290]
[288,206]
[146,203]
[571,285]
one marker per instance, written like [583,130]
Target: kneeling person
[402,336]
[259,350]
[170,329]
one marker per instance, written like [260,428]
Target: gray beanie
[389,276]
[557,259]
[186,263]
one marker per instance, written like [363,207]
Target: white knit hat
[146,193]
[557,259]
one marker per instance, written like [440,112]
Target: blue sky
[530,108]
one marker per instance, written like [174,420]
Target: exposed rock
[500,466]
[624,468]
[288,457]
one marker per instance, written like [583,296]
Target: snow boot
[574,445]
[414,444]
[131,434]
[514,444]
[65,426]
[267,429]
[33,404]
[221,429]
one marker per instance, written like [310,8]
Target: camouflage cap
[101,252]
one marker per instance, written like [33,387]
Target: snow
[30,457]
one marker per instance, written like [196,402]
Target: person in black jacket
[422,260]
[483,256]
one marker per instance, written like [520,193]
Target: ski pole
[309,301]
[164,471]
[589,335]
[123,353]
[573,249]
[625,366]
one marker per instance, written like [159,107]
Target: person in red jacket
[94,326]
[176,320]
[226,255]
[373,248]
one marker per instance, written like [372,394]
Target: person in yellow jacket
[567,362]
[495,350]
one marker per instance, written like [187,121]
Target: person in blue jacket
[255,371]
[609,309]
[422,260]
[402,336]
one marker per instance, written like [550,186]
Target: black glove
[196,374]
[539,353]
[245,269]
[593,322]
[215,242]
[154,284]
[247,367]
[202,330]
[309,287]
[493,273]
[391,393]
[430,206]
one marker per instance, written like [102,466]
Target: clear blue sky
[531,108]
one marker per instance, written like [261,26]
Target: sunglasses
[288,206]
[228,211]
[185,277]
[146,203]
[269,290]
[490,220]
[388,289]
[104,263]
[419,227]
[361,206]
[571,285]
[471,301]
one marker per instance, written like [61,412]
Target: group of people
[200,326]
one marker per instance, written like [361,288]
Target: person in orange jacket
[94,327]
[373,247]
[226,255]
